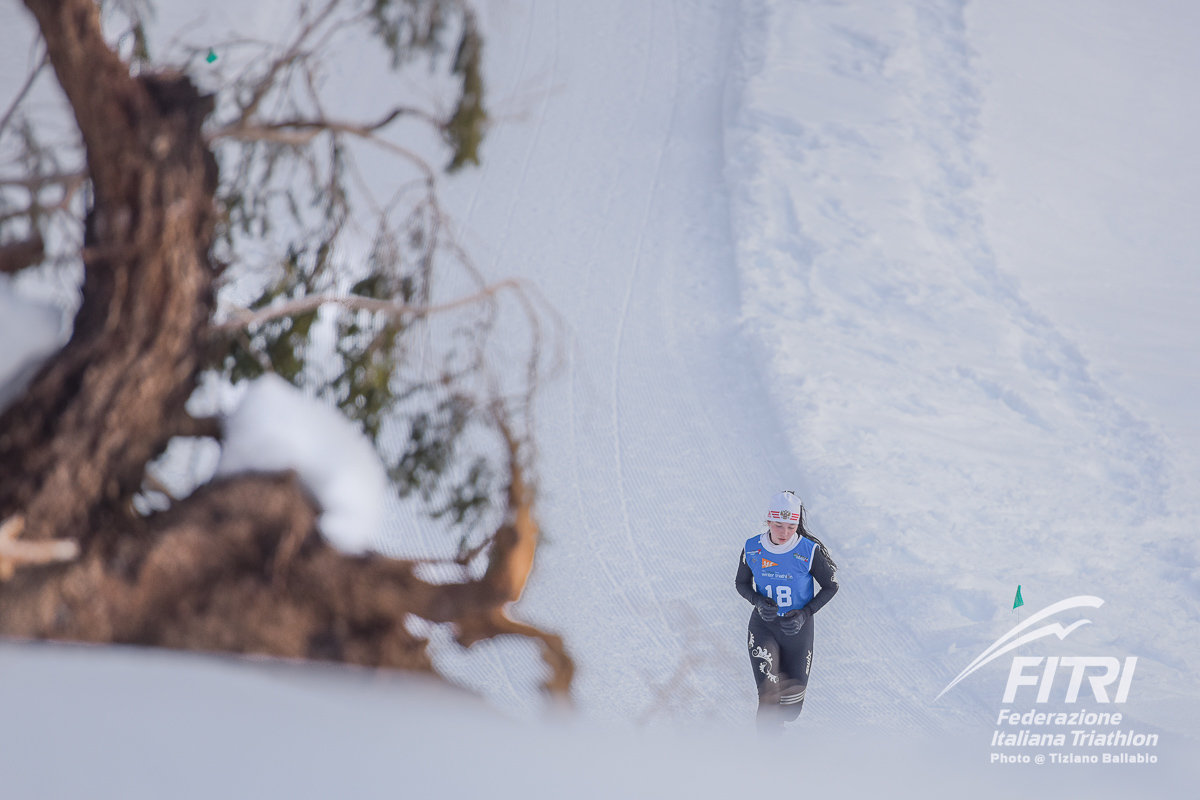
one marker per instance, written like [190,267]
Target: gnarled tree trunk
[79,438]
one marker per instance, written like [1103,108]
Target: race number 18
[782,596]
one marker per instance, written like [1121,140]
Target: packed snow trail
[620,215]
[951,440]
[658,438]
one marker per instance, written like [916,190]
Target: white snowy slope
[658,444]
[953,432]
[1089,121]
[953,439]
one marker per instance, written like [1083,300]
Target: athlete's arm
[744,582]
[824,573]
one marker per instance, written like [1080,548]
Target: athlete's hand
[766,608]
[791,622]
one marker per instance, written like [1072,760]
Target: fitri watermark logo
[1051,727]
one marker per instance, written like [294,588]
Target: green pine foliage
[464,131]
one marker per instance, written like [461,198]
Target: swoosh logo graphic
[999,647]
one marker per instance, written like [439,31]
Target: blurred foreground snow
[127,723]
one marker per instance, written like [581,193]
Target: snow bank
[240,729]
[276,427]
[914,379]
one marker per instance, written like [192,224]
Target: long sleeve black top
[821,570]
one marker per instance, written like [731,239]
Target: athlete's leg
[764,660]
[795,662]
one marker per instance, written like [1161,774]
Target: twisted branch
[247,318]
[14,553]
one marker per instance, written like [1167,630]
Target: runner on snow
[775,573]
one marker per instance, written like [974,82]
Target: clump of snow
[277,427]
[29,333]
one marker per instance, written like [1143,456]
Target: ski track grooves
[580,381]
[623,316]
[579,374]
[533,144]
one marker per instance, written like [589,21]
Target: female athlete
[775,573]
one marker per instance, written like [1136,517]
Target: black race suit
[780,662]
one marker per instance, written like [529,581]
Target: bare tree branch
[15,553]
[17,256]
[69,180]
[278,131]
[298,133]
[246,318]
[152,483]
[200,427]
[24,91]
[290,57]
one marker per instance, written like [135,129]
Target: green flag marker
[211,57]
[1017,601]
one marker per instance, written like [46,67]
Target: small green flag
[1017,601]
[212,56]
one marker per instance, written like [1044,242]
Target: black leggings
[780,664]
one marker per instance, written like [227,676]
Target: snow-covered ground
[929,263]
[898,178]
[117,723]
[793,255]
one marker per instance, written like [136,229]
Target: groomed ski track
[771,229]
[658,441]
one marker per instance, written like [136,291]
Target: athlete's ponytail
[802,528]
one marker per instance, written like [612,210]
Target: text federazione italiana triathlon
[1096,733]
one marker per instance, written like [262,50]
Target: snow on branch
[277,428]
